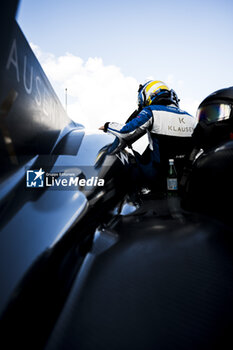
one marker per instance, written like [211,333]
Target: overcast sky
[101,50]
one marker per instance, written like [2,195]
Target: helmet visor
[214,112]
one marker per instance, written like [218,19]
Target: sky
[101,50]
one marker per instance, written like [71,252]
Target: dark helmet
[215,122]
[208,184]
[217,106]
[156,92]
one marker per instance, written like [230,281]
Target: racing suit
[169,132]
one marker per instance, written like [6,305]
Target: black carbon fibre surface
[166,283]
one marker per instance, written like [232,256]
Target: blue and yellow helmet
[156,92]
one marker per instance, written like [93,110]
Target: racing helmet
[156,92]
[216,107]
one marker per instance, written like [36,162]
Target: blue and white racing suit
[169,132]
